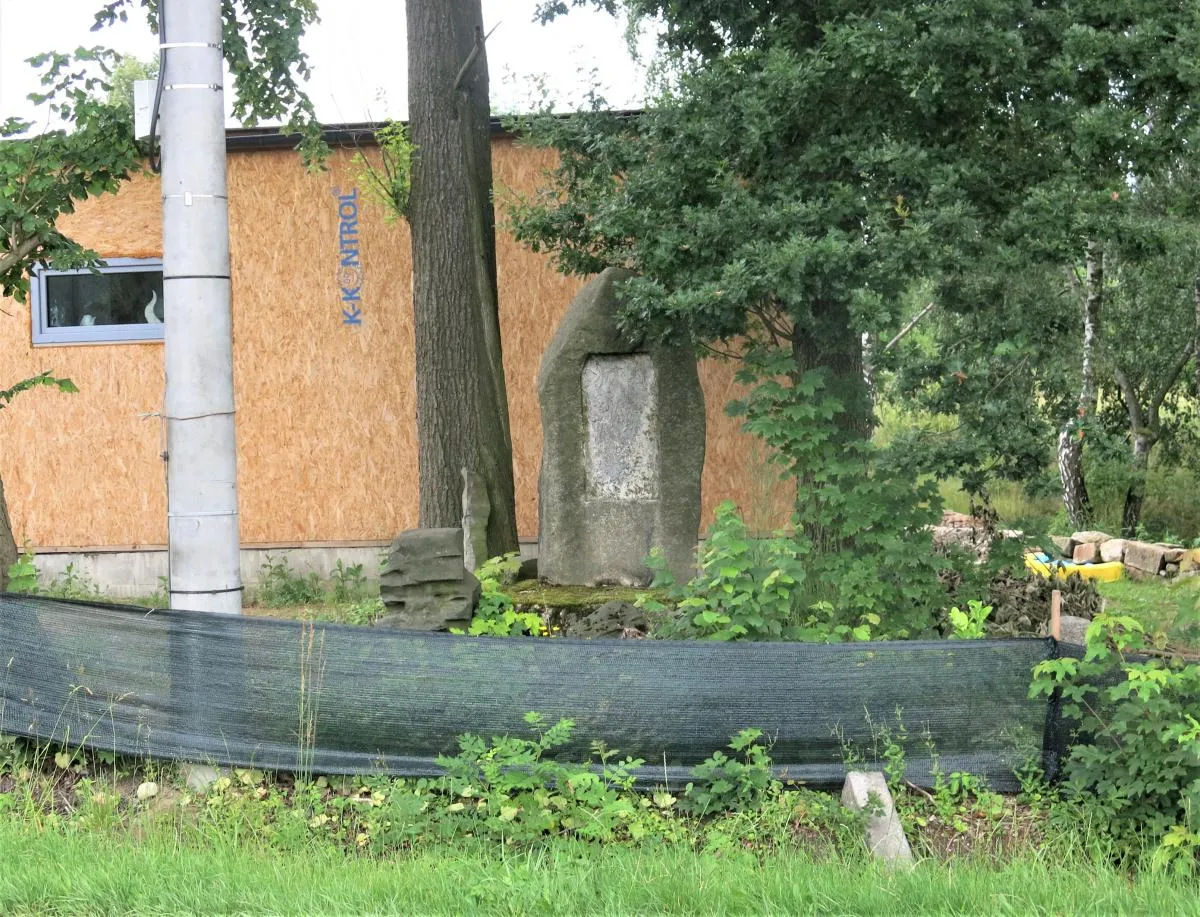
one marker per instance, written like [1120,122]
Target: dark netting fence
[336,699]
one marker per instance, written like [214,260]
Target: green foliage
[496,614]
[722,783]
[389,181]
[282,586]
[262,45]
[348,582]
[970,624]
[44,378]
[745,587]
[23,575]
[510,788]
[1136,756]
[863,517]
[44,176]
[73,584]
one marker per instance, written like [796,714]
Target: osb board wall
[326,418]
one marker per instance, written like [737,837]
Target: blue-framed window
[121,301]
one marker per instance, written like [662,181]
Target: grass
[63,870]
[1172,606]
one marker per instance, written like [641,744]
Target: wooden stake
[1056,615]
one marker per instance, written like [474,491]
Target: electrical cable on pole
[201,455]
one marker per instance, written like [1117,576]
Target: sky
[357,54]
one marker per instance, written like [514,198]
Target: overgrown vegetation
[1135,761]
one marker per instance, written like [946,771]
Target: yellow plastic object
[1102,573]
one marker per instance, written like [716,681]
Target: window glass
[122,301]
[127,298]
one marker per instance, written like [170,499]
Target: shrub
[1137,742]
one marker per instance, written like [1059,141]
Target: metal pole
[202,524]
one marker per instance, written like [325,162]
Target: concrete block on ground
[1074,629]
[867,790]
[1087,552]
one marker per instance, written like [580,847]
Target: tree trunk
[1070,437]
[8,544]
[462,406]
[1196,335]
[831,344]
[1135,495]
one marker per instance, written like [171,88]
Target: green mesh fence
[336,699]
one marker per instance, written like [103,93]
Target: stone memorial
[623,448]
[425,584]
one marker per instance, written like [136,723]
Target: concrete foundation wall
[136,574]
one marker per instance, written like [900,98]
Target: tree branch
[909,327]
[1129,395]
[1170,379]
[479,43]
[18,253]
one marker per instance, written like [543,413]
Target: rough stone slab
[1113,550]
[1144,559]
[1087,552]
[1063,543]
[424,556]
[885,835]
[476,510]
[623,429]
[1174,555]
[1090,538]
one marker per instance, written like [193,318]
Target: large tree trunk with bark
[831,344]
[462,406]
[8,543]
[1070,436]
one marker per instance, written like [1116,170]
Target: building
[323,365]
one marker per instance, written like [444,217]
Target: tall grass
[63,871]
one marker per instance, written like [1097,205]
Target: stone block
[1173,554]
[1171,570]
[868,791]
[1074,629]
[1087,552]
[1063,544]
[623,430]
[424,584]
[1142,559]
[1090,538]
[424,556]
[476,510]
[1113,550]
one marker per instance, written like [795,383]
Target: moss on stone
[528,593]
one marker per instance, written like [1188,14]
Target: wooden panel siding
[326,427]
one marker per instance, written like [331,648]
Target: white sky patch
[357,52]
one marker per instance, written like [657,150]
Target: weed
[722,783]
[969,624]
[349,583]
[282,586]
[23,575]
